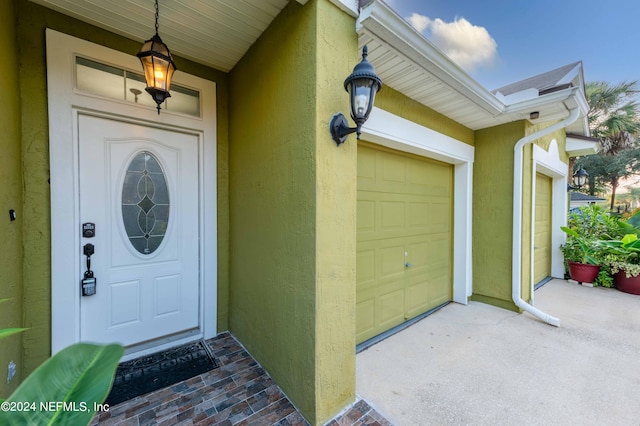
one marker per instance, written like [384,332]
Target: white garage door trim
[549,164]
[392,131]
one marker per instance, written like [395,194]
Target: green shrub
[594,222]
[604,278]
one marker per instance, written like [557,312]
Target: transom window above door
[116,83]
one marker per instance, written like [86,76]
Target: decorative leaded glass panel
[145,203]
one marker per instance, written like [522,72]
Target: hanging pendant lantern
[158,66]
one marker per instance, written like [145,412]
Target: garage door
[404,238]
[542,229]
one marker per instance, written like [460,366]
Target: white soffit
[214,33]
[409,63]
[578,146]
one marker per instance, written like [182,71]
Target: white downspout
[517,217]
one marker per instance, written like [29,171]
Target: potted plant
[581,255]
[623,258]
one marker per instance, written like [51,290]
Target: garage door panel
[406,204]
[417,254]
[393,169]
[417,298]
[542,228]
[439,290]
[427,293]
[366,216]
[392,215]
[365,265]
[365,318]
[390,309]
[391,261]
[418,214]
[366,167]
[441,220]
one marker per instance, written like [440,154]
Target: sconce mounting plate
[339,128]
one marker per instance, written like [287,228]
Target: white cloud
[419,22]
[468,45]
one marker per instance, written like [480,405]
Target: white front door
[139,185]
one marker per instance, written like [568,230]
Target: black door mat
[148,373]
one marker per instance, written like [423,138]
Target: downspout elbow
[517,217]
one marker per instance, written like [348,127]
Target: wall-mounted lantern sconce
[580,178]
[362,85]
[158,66]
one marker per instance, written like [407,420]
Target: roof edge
[350,7]
[578,145]
[381,20]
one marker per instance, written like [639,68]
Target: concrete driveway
[482,365]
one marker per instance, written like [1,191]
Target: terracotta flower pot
[627,284]
[582,272]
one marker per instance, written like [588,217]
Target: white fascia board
[533,104]
[348,6]
[577,147]
[571,97]
[575,72]
[382,21]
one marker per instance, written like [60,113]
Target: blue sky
[502,41]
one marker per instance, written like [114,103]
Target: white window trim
[392,131]
[65,103]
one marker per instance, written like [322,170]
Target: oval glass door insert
[145,203]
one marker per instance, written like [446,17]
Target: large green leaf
[629,238]
[5,332]
[79,376]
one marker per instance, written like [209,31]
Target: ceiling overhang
[214,33]
[412,65]
[219,33]
[578,145]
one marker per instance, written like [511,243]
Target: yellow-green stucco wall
[292,299]
[395,102]
[493,210]
[493,213]
[32,21]
[10,199]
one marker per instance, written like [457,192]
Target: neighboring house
[579,199]
[302,249]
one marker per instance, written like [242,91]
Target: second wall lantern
[362,85]
[580,178]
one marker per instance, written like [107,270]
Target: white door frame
[393,131]
[65,103]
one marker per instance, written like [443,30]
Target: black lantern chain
[157,16]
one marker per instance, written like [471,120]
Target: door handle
[88,283]
[406,260]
